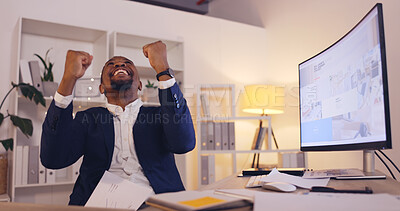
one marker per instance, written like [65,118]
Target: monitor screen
[343,95]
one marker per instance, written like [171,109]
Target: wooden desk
[232,182]
[387,185]
[13,206]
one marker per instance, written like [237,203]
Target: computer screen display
[344,92]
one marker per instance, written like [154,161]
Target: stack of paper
[276,176]
[116,192]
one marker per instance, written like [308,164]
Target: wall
[216,51]
[299,29]
[247,12]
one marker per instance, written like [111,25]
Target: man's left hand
[157,54]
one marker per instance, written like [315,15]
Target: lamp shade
[264,99]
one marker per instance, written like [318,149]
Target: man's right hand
[76,64]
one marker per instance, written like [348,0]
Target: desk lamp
[264,100]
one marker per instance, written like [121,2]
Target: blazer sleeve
[62,142]
[177,121]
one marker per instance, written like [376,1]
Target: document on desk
[276,176]
[326,202]
[116,192]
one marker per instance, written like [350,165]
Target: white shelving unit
[37,36]
[228,117]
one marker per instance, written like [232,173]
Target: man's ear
[101,88]
[140,85]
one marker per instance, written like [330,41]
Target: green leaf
[1,118]
[41,59]
[8,144]
[50,72]
[25,125]
[31,92]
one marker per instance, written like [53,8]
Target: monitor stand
[368,168]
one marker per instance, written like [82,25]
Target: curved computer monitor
[344,99]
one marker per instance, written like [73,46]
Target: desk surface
[232,182]
[387,185]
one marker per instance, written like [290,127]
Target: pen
[367,190]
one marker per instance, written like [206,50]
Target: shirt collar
[117,110]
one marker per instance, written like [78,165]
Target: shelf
[38,36]
[130,46]
[91,102]
[246,151]
[223,95]
[44,184]
[49,29]
[125,40]
[203,119]
[4,197]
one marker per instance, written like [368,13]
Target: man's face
[119,73]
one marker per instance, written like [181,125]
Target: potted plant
[49,86]
[25,125]
[150,93]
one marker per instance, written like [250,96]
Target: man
[135,142]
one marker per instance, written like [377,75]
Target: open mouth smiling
[120,71]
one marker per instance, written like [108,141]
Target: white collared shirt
[124,160]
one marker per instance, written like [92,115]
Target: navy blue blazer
[158,133]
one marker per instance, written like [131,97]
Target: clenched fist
[76,64]
[157,54]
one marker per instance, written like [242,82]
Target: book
[255,139]
[42,173]
[259,138]
[210,136]
[33,165]
[50,176]
[25,161]
[75,169]
[207,169]
[225,136]
[196,200]
[231,139]
[18,165]
[218,136]
[204,105]
[204,169]
[204,135]
[35,73]
[25,73]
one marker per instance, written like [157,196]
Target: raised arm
[76,64]
[157,54]
[62,139]
[178,129]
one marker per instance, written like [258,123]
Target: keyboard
[255,181]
